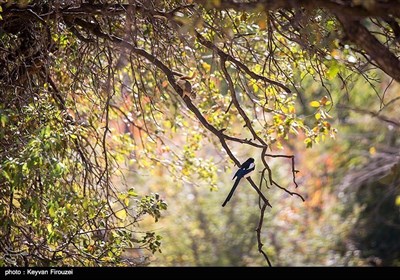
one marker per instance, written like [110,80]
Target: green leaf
[132,192]
[308,142]
[50,228]
[3,118]
[85,204]
[6,175]
[52,212]
[333,71]
[59,169]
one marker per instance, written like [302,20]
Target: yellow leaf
[206,66]
[258,69]
[317,116]
[16,203]
[126,201]
[255,88]
[52,212]
[372,151]
[279,145]
[121,214]
[314,104]
[398,200]
[186,171]
[50,228]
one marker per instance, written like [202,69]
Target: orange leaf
[165,84]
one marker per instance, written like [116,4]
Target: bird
[184,83]
[244,170]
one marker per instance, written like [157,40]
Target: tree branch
[258,230]
[346,8]
[238,64]
[294,171]
[371,113]
[360,35]
[272,181]
[237,105]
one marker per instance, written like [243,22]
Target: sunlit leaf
[206,66]
[52,211]
[262,24]
[397,202]
[16,203]
[333,70]
[165,84]
[49,228]
[121,214]
[3,120]
[132,192]
[372,151]
[315,104]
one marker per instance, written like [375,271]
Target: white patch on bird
[251,165]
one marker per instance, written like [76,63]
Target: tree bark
[359,35]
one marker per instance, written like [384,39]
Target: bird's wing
[248,170]
[245,165]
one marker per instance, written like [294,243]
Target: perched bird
[185,85]
[244,170]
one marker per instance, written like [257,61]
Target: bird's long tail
[232,191]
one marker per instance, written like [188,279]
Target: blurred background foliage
[351,185]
